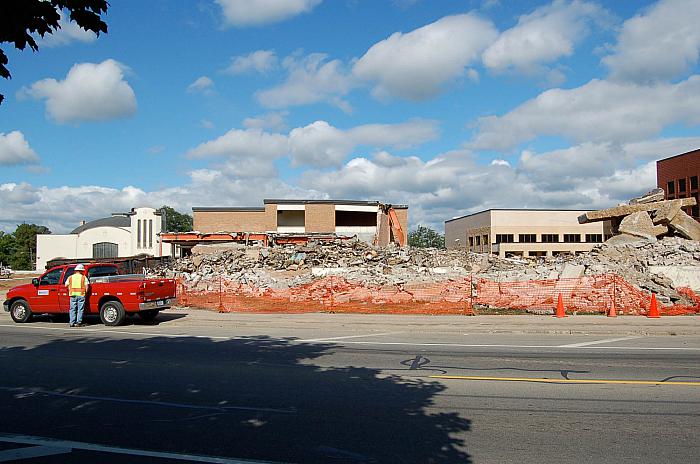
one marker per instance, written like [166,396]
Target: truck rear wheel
[112,313]
[20,312]
[148,314]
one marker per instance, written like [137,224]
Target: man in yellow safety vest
[77,285]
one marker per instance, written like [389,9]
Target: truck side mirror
[35,282]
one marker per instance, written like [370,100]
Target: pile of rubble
[660,265]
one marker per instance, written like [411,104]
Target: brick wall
[236,221]
[320,217]
[678,170]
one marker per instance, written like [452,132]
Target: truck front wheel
[20,312]
[112,313]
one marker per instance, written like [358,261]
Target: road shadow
[254,398]
[94,319]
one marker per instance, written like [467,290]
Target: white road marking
[328,339]
[597,342]
[320,340]
[77,445]
[32,452]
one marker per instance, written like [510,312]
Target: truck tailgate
[158,289]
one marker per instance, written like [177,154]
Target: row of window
[144,233]
[682,185]
[547,238]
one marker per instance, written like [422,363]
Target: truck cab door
[45,298]
[63,296]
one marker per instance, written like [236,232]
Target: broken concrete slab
[625,239]
[667,211]
[625,210]
[680,276]
[640,224]
[654,195]
[572,271]
[685,225]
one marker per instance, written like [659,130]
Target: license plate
[160,303]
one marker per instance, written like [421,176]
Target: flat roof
[697,150]
[223,209]
[518,209]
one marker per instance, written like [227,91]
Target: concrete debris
[656,194]
[651,251]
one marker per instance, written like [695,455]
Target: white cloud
[659,44]
[203,85]
[258,12]
[599,111]
[311,80]
[68,33]
[543,36]
[261,61]
[416,65]
[15,150]
[243,144]
[274,120]
[90,92]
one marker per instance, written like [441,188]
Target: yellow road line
[596,381]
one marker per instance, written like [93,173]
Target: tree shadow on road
[255,398]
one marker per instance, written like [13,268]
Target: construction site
[651,259]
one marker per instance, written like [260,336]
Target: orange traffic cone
[613,310]
[653,307]
[560,307]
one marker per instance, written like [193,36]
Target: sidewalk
[525,324]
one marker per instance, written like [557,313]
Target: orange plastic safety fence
[590,294]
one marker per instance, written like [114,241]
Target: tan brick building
[369,220]
[524,232]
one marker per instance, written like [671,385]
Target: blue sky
[449,106]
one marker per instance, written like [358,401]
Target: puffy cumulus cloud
[262,61]
[203,85]
[416,65]
[662,43]
[90,92]
[258,12]
[320,144]
[243,144]
[587,176]
[67,33]
[274,120]
[14,150]
[311,79]
[543,36]
[599,111]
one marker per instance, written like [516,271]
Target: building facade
[121,235]
[524,232]
[678,176]
[369,220]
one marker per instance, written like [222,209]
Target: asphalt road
[284,389]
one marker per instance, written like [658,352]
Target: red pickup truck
[110,295]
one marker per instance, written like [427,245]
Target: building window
[145,232]
[594,238]
[504,238]
[671,188]
[572,238]
[550,238]
[471,242]
[681,185]
[105,250]
[485,240]
[150,233]
[694,183]
[138,233]
[478,240]
[527,238]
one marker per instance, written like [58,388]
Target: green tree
[24,250]
[176,222]
[425,237]
[19,19]
[7,246]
